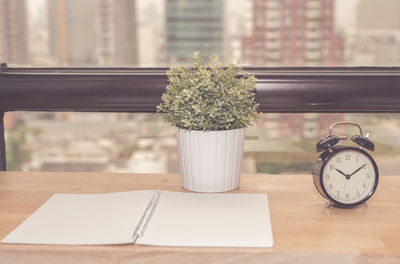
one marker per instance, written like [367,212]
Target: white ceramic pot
[210,161]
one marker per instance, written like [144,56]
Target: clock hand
[341,172]
[357,170]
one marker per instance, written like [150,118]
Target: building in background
[93,32]
[72,32]
[13,32]
[151,33]
[376,39]
[234,26]
[116,43]
[193,26]
[292,33]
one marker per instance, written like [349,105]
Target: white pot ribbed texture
[210,161]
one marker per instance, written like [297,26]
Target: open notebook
[149,217]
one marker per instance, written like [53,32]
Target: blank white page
[226,220]
[84,219]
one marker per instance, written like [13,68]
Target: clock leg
[328,203]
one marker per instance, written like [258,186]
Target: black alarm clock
[347,176]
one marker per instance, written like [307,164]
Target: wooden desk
[304,231]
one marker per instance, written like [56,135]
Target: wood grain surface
[304,230]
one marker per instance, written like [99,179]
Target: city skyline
[150,37]
[13,31]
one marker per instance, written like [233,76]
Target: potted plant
[210,106]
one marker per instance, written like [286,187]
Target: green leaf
[207,96]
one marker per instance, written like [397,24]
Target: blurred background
[162,33]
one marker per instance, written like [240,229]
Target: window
[161,33]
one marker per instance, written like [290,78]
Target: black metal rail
[3,165]
[139,90]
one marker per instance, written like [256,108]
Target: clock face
[349,176]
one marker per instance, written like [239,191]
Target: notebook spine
[141,227]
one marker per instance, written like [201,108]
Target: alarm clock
[346,176]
